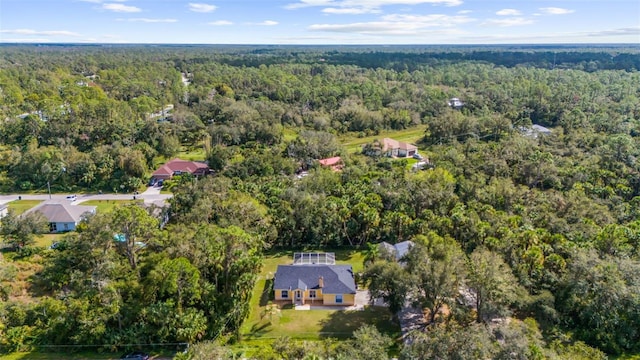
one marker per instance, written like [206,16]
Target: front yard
[20,206]
[104,206]
[308,324]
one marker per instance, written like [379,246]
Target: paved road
[150,195]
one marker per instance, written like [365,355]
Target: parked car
[71,197]
[417,156]
[137,355]
[159,183]
[153,181]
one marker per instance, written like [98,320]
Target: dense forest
[544,230]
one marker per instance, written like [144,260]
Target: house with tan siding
[314,283]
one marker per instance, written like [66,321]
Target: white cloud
[121,8]
[350,11]
[428,20]
[555,11]
[40,33]
[220,23]
[629,31]
[101,1]
[463,12]
[367,6]
[506,22]
[398,24]
[202,8]
[509,12]
[309,3]
[555,37]
[147,20]
[267,23]
[25,40]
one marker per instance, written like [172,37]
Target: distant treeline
[587,57]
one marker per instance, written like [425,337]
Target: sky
[321,21]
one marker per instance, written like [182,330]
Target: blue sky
[321,21]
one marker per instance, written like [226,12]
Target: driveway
[152,190]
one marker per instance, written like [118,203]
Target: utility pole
[49,189]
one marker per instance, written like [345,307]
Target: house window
[66,226]
[338,298]
[312,294]
[53,227]
[285,294]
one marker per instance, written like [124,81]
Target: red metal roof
[178,165]
[330,161]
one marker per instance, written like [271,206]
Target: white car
[71,197]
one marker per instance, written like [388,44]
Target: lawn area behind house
[192,154]
[104,206]
[311,324]
[45,240]
[354,144]
[20,206]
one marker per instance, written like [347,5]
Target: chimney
[321,282]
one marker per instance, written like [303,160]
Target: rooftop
[179,165]
[330,161]
[61,212]
[388,143]
[337,279]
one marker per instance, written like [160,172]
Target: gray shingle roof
[338,279]
[63,212]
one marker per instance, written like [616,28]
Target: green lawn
[312,324]
[104,206]
[20,206]
[192,154]
[354,144]
[45,240]
[289,134]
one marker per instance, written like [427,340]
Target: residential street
[150,195]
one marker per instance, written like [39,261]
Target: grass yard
[354,144]
[104,206]
[45,240]
[20,206]
[312,324]
[193,154]
[289,134]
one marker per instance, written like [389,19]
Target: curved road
[150,195]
